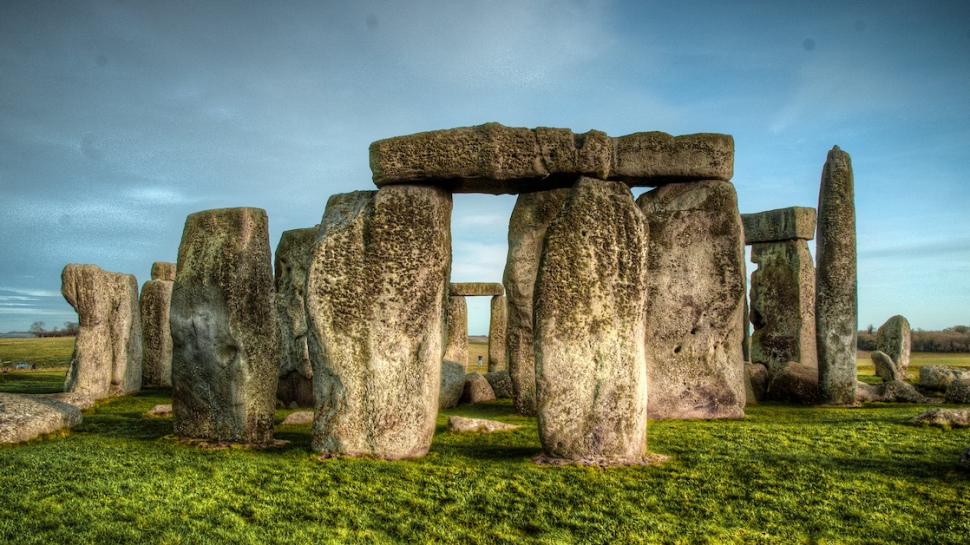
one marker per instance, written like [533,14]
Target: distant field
[46,352]
[866,370]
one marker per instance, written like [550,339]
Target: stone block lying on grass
[461,424]
[958,391]
[795,383]
[886,368]
[160,411]
[299,418]
[944,418]
[25,417]
[477,389]
[938,377]
[501,383]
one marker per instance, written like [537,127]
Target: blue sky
[117,119]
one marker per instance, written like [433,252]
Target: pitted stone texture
[460,424]
[492,158]
[225,334]
[530,219]
[866,393]
[376,295]
[885,367]
[590,319]
[958,391]
[476,289]
[107,357]
[783,304]
[456,314]
[25,417]
[793,223]
[895,339]
[477,389]
[898,391]
[497,327]
[794,383]
[501,383]
[156,298]
[452,384]
[938,377]
[944,418]
[695,304]
[290,265]
[162,270]
[836,301]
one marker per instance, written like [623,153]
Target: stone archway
[456,348]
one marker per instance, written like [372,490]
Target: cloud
[31,293]
[944,247]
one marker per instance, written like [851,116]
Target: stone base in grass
[648,460]
[460,424]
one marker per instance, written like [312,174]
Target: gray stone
[867,393]
[885,367]
[107,357]
[938,377]
[958,391]
[456,314]
[452,384]
[460,424]
[895,339]
[225,334]
[530,219]
[794,383]
[783,224]
[783,304]
[156,298]
[26,417]
[944,418]
[298,418]
[497,327]
[81,401]
[375,301]
[501,383]
[836,304]
[162,270]
[695,304]
[290,265]
[160,411]
[758,378]
[477,389]
[589,328]
[492,158]
[476,289]
[898,391]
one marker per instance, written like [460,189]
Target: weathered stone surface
[783,304]
[225,334]
[895,339]
[375,301]
[162,270]
[590,320]
[298,418]
[836,301]
[107,357]
[452,384]
[958,392]
[794,383]
[456,314]
[885,367]
[501,383]
[160,411]
[492,158]
[695,302]
[156,298]
[783,224]
[758,378]
[898,391]
[944,418]
[497,327]
[867,393]
[476,289]
[290,265]
[460,424]
[530,219]
[25,417]
[938,377]
[477,389]
[81,401]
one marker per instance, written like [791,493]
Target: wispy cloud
[28,292]
[959,245]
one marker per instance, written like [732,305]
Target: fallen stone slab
[298,418]
[885,366]
[460,424]
[939,377]
[493,158]
[795,383]
[944,418]
[476,289]
[25,417]
[477,389]
[898,391]
[958,392]
[501,383]
[867,393]
[792,223]
[160,411]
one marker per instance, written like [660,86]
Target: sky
[118,119]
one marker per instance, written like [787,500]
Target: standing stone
[886,368]
[590,323]
[225,334]
[376,295]
[895,339]
[497,325]
[695,304]
[456,314]
[291,261]
[836,303]
[107,357]
[156,298]
[531,217]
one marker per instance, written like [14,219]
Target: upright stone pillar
[497,325]
[894,338]
[291,261]
[107,358]
[531,217]
[225,334]
[156,298]
[456,314]
[376,293]
[836,304]
[590,323]
[695,304]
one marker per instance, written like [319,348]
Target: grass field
[47,352]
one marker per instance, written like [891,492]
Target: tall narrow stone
[590,323]
[156,298]
[290,264]
[376,293]
[107,358]
[456,314]
[895,339]
[836,286]
[531,217]
[225,335]
[497,325]
[695,304]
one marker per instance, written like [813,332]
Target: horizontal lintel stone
[791,223]
[474,289]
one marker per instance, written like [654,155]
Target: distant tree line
[39,329]
[951,339]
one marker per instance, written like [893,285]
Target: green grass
[45,352]
[43,381]
[867,371]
